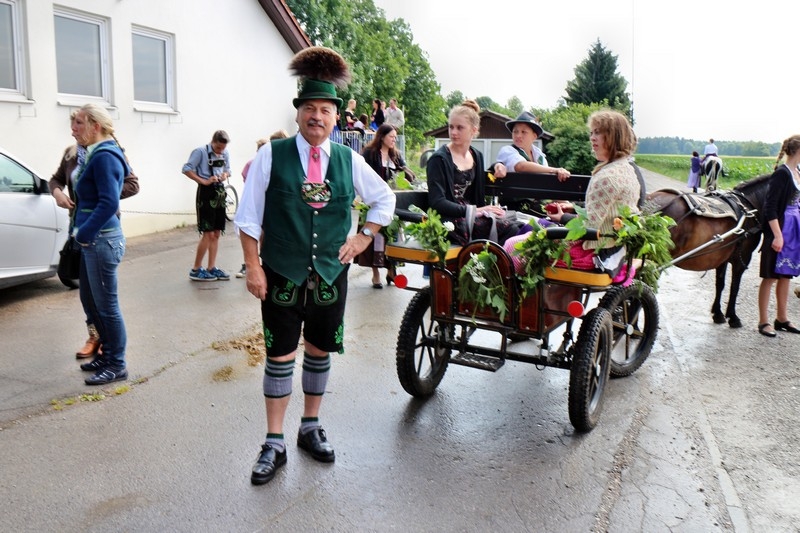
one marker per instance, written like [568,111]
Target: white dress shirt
[368,185]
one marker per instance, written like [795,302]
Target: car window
[14,177]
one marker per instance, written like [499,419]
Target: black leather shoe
[106,375]
[762,328]
[316,443]
[94,365]
[786,326]
[267,464]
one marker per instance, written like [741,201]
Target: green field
[737,169]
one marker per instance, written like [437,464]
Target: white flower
[477,278]
[449,226]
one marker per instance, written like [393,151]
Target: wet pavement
[701,438]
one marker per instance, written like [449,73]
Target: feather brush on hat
[320,63]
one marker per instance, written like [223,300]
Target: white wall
[230,73]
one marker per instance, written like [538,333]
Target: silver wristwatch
[367,232]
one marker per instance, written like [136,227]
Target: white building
[171,72]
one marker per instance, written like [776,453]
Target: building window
[153,67]
[81,55]
[12,74]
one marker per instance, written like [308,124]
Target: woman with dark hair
[384,159]
[694,173]
[377,113]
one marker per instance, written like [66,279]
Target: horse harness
[717,204]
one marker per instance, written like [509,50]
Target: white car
[33,229]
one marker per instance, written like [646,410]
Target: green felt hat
[311,89]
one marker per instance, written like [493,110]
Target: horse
[712,168]
[693,230]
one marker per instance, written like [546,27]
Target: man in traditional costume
[300,191]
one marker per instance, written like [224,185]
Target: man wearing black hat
[300,191]
[524,155]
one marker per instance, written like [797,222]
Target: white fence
[357,140]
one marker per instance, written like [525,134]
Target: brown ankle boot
[92,344]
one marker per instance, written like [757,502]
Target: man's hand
[354,245]
[256,281]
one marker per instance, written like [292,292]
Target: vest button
[309,269]
[315,235]
[314,257]
[316,213]
[314,246]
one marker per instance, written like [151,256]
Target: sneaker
[242,273]
[98,363]
[201,274]
[106,376]
[219,274]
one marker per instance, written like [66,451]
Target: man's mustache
[313,122]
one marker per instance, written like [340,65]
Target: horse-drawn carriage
[606,329]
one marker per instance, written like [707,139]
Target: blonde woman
[456,182]
[99,233]
[780,251]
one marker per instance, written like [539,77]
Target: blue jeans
[98,287]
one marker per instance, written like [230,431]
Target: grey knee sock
[315,374]
[278,378]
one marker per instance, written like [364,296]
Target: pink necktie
[314,166]
[315,172]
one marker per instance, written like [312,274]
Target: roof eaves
[286,24]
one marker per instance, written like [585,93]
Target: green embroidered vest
[298,238]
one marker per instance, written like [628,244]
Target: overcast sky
[696,69]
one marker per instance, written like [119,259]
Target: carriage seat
[583,277]
[579,277]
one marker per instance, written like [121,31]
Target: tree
[384,61]
[514,106]
[571,148]
[485,102]
[597,81]
[453,99]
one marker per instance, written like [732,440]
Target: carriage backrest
[522,185]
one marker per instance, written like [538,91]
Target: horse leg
[730,311]
[711,183]
[716,307]
[739,262]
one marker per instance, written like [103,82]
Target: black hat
[526,118]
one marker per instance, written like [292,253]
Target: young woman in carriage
[456,184]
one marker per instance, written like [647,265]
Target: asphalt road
[701,438]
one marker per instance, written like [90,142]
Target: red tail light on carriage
[575,309]
[400,281]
